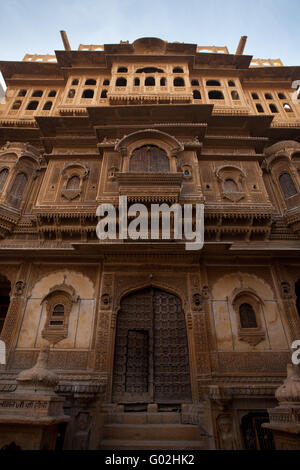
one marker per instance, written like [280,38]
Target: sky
[32,26]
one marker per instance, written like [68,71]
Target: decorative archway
[151,363]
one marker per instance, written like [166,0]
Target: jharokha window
[17,190]
[247,316]
[287,185]
[57,317]
[149,158]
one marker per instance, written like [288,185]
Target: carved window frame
[59,295]
[164,141]
[236,174]
[69,171]
[252,336]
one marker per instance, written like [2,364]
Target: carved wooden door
[171,357]
[151,352]
[149,158]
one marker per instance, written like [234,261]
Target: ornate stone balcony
[150,187]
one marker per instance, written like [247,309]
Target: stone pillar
[32,417]
[285,418]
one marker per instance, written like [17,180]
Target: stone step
[122,444]
[152,432]
[146,418]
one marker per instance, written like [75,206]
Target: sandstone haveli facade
[154,346]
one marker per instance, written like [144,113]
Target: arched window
[273,108]
[149,158]
[195,82]
[235,95]
[4,300]
[75,81]
[177,70]
[215,95]
[47,106]
[281,96]
[213,83]
[3,177]
[259,108]
[150,81]
[57,316]
[255,96]
[17,190]
[231,83]
[17,104]
[52,94]
[230,186]
[178,81]
[163,81]
[90,81]
[136,82]
[73,182]
[121,81]
[287,185]
[88,93]
[103,94]
[122,70]
[37,93]
[71,93]
[247,316]
[196,95]
[106,82]
[22,93]
[32,105]
[268,96]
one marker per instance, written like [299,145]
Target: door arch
[151,361]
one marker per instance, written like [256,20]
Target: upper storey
[148,71]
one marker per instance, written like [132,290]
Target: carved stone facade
[149,332]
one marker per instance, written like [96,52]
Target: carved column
[288,303]
[17,301]
[200,328]
[104,330]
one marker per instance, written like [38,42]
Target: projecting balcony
[149,95]
[150,187]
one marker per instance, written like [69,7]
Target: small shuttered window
[57,316]
[247,316]
[149,158]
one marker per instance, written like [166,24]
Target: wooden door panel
[151,352]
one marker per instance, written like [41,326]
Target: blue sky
[32,26]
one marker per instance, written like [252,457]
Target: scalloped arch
[252,282]
[159,285]
[173,145]
[82,284]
